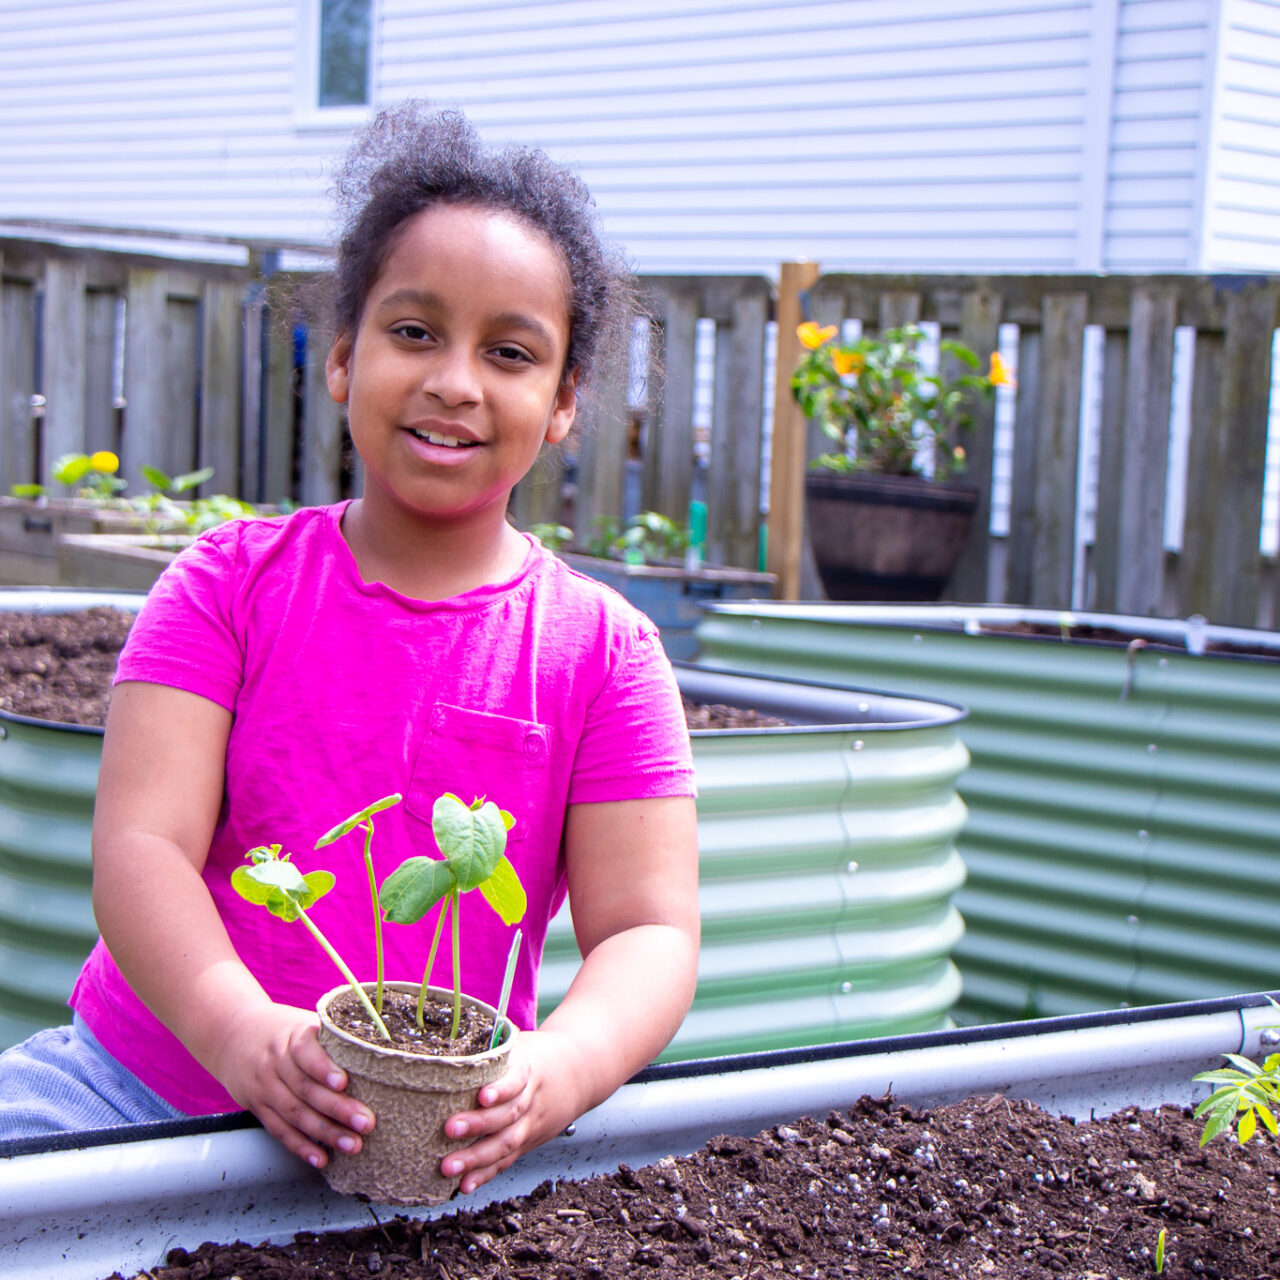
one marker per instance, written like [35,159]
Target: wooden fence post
[322,421]
[790,438]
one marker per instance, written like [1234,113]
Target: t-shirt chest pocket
[476,753]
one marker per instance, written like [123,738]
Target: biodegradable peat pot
[412,1096]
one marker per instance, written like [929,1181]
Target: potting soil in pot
[399,1013]
[988,1187]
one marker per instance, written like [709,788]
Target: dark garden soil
[58,666]
[987,1187]
[400,1015]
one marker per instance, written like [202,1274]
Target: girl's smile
[455,375]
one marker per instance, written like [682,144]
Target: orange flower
[1000,375]
[813,336]
[847,362]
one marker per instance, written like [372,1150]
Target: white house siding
[174,114]
[924,134]
[1162,99]
[1242,202]
[874,134]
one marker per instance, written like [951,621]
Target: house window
[343,49]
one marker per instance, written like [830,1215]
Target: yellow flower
[1001,375]
[813,336]
[104,461]
[847,362]
[958,453]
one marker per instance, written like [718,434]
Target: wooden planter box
[31,533]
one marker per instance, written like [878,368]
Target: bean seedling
[272,881]
[473,840]
[364,819]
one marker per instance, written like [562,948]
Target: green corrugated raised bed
[1124,798]
[828,864]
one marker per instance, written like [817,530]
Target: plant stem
[457,971]
[431,956]
[346,973]
[377,910]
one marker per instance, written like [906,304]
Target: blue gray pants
[63,1080]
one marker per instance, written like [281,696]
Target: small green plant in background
[1250,1091]
[1160,1239]
[647,538]
[552,536]
[82,475]
[272,881]
[473,840]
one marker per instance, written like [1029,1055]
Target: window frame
[307,111]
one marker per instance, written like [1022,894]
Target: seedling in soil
[274,882]
[1250,1091]
[473,840]
[1160,1239]
[364,819]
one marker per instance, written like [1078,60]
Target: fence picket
[1021,540]
[64,340]
[322,431]
[1115,359]
[1144,453]
[147,436]
[980,332]
[17,364]
[668,456]
[223,364]
[1057,433]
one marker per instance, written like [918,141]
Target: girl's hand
[272,1064]
[533,1101]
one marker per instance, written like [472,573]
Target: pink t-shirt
[538,693]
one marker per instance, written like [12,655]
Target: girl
[285,673]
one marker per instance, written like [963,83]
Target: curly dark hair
[413,156]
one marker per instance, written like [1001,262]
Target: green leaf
[26,490]
[250,889]
[504,893]
[318,884]
[1246,1065]
[188,480]
[351,823]
[71,467]
[1223,1075]
[156,478]
[413,888]
[1219,1121]
[1268,1117]
[472,840]
[1248,1125]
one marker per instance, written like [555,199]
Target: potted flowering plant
[887,521]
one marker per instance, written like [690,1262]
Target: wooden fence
[182,364]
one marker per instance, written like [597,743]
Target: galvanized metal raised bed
[1124,794]
[828,864]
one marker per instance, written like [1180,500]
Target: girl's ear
[565,408]
[337,370]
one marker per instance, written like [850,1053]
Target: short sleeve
[183,636]
[635,743]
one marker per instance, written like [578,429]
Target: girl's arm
[633,891]
[159,793]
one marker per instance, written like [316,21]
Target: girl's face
[454,378]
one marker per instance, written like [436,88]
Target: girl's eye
[515,354]
[413,332]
